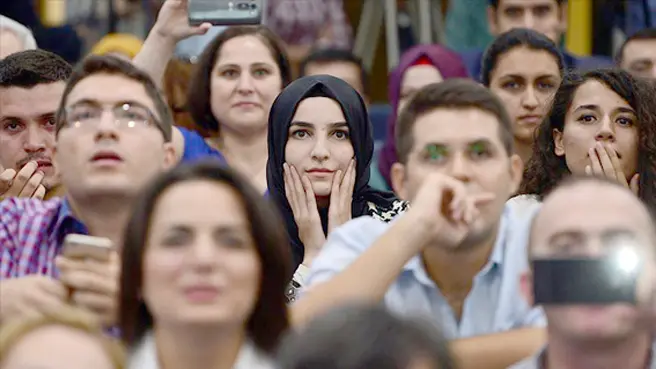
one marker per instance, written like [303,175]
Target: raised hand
[341,196]
[25,183]
[605,163]
[303,202]
[173,21]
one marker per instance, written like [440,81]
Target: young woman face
[414,79]
[319,143]
[525,80]
[245,81]
[200,265]
[598,117]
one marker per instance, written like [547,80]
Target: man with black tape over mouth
[592,256]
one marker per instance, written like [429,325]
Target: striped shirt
[31,235]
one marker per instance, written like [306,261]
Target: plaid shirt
[31,235]
[302,22]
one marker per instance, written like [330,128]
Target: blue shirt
[493,305]
[195,147]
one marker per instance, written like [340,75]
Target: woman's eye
[300,134]
[511,85]
[624,121]
[586,118]
[261,72]
[341,135]
[229,73]
[546,86]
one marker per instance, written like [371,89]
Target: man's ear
[398,178]
[170,156]
[526,287]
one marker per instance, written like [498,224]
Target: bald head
[578,215]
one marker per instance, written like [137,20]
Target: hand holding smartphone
[81,247]
[226,12]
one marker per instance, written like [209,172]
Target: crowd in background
[241,200]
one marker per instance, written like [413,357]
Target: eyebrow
[596,108]
[311,125]
[570,234]
[38,117]
[118,103]
[235,65]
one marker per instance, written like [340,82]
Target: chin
[322,189]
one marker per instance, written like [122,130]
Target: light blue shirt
[494,304]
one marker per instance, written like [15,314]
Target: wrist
[161,38]
[417,231]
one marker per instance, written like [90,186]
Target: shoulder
[194,146]
[386,213]
[523,204]
[251,357]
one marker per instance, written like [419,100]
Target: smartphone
[593,281]
[78,246]
[225,12]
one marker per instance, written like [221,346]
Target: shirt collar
[416,266]
[65,223]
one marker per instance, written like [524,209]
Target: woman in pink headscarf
[419,66]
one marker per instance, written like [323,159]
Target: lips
[201,293]
[530,118]
[106,156]
[320,170]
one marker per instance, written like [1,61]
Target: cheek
[296,151]
[161,270]
[342,152]
[270,88]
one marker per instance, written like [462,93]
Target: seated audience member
[110,142]
[548,17]
[524,69]
[205,266]
[121,45]
[638,54]
[31,85]
[63,339]
[593,219]
[320,148]
[601,123]
[14,37]
[340,63]
[419,66]
[236,80]
[363,337]
[457,254]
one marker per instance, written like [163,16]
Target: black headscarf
[360,132]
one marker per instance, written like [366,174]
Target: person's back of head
[362,337]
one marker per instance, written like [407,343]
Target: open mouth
[106,156]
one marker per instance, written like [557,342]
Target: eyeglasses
[86,116]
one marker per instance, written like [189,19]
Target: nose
[460,168]
[320,151]
[606,130]
[107,127]
[245,83]
[202,253]
[36,139]
[529,20]
[530,100]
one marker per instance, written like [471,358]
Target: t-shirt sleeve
[195,147]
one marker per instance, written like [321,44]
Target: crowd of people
[255,221]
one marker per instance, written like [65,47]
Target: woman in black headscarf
[320,149]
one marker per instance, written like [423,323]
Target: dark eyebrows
[302,124]
[596,108]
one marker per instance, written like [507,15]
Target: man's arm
[500,350]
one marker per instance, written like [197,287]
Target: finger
[348,181]
[32,185]
[482,199]
[311,198]
[588,170]
[289,187]
[6,180]
[335,190]
[616,164]
[301,195]
[635,184]
[595,164]
[96,302]
[606,164]
[81,280]
[40,193]
[47,299]
[22,177]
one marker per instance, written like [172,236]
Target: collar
[415,265]
[65,223]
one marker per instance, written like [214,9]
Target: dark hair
[107,64]
[269,318]
[643,34]
[455,93]
[495,3]
[545,170]
[517,37]
[29,68]
[199,100]
[332,55]
[363,337]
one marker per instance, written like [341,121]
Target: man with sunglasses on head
[113,133]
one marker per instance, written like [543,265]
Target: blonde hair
[12,332]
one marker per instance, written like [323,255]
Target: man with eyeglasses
[113,132]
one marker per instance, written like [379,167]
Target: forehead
[244,50]
[526,62]
[526,3]
[31,102]
[456,127]
[346,70]
[200,202]
[639,49]
[591,209]
[331,111]
[596,93]
[110,89]
[418,76]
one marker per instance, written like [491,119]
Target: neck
[453,269]
[198,349]
[524,150]
[104,216]
[628,353]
